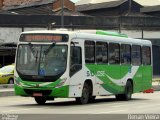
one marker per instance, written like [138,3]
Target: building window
[136,55]
[146,55]
[89,51]
[125,54]
[101,52]
[114,53]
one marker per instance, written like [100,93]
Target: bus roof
[85,35]
[110,33]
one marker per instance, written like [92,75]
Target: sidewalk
[6,92]
[4,86]
[156,85]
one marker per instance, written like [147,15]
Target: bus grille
[44,92]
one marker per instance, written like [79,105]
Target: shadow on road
[73,103]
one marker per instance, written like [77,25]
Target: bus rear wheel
[128,92]
[84,99]
[40,100]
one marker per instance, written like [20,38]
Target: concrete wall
[33,29]
[9,34]
[138,34]
[152,34]
[12,34]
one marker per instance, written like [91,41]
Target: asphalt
[7,90]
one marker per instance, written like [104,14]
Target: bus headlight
[17,82]
[61,83]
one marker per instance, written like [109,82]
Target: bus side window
[75,60]
[146,55]
[136,55]
[89,52]
[114,53]
[101,52]
[125,54]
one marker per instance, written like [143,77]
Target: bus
[74,64]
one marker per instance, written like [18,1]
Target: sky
[74,0]
[141,2]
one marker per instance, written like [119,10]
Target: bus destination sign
[44,38]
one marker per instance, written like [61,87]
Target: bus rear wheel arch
[127,95]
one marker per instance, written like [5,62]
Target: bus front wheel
[40,100]
[85,95]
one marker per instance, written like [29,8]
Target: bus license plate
[37,94]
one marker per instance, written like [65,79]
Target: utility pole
[62,13]
[129,6]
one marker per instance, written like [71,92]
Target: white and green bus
[73,64]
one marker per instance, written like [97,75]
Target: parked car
[7,74]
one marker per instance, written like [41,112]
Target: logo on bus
[98,74]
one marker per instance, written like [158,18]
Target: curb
[6,90]
[7,93]
[156,87]
[4,86]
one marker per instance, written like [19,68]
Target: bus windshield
[41,60]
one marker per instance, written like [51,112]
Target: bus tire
[119,97]
[92,99]
[40,100]
[84,99]
[128,92]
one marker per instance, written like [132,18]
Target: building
[114,7]
[151,10]
[38,7]
[110,8]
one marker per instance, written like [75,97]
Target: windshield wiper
[32,50]
[50,47]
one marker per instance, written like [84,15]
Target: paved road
[104,108]
[141,103]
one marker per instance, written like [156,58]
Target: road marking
[20,110]
[148,106]
[115,111]
[7,111]
[130,104]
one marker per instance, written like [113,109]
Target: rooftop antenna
[62,13]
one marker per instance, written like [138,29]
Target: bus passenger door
[76,73]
